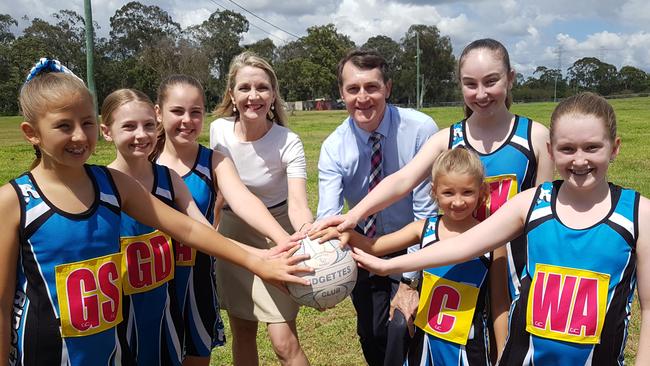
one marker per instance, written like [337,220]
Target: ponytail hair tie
[46,65]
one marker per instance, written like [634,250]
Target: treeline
[145,44]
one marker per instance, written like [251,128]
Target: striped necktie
[370,228]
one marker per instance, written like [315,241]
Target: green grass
[329,338]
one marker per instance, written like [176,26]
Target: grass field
[329,338]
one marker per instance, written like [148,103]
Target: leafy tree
[136,26]
[633,79]
[592,74]
[10,77]
[386,47]
[437,66]
[263,48]
[6,22]
[219,36]
[314,57]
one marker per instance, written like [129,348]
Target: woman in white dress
[271,162]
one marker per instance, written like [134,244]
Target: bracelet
[303,225]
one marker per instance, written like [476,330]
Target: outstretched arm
[245,204]
[643,282]
[145,208]
[504,225]
[185,203]
[10,208]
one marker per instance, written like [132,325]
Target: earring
[271,115]
[272,107]
[234,109]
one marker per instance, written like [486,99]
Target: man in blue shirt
[344,168]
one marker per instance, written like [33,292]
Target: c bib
[446,308]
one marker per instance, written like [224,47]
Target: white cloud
[531,30]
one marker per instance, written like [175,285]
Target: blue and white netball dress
[152,316]
[577,286]
[68,299]
[195,281]
[452,314]
[509,169]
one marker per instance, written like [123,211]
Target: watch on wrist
[411,282]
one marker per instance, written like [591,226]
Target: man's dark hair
[365,60]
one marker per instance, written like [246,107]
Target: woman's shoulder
[222,122]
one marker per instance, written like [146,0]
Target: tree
[633,79]
[386,47]
[10,77]
[136,26]
[263,48]
[592,74]
[437,66]
[6,22]
[219,36]
[315,57]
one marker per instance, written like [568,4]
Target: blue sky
[617,32]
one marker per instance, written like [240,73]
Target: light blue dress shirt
[344,167]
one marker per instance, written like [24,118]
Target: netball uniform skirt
[243,294]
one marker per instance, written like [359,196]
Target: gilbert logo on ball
[334,277]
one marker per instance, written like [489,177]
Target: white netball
[334,277]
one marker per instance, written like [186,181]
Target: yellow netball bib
[446,308]
[147,261]
[185,256]
[502,188]
[567,304]
[90,295]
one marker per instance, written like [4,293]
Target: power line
[252,24]
[264,20]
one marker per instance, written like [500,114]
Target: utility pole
[90,47]
[559,69]
[417,68]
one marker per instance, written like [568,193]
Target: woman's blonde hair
[48,92]
[459,161]
[226,108]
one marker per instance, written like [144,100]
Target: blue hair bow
[45,65]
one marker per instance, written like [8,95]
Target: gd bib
[147,261]
[446,308]
[567,304]
[89,295]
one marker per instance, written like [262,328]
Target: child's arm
[245,204]
[394,186]
[10,208]
[503,226]
[185,203]
[385,244]
[643,282]
[499,297]
[145,208]
[540,137]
